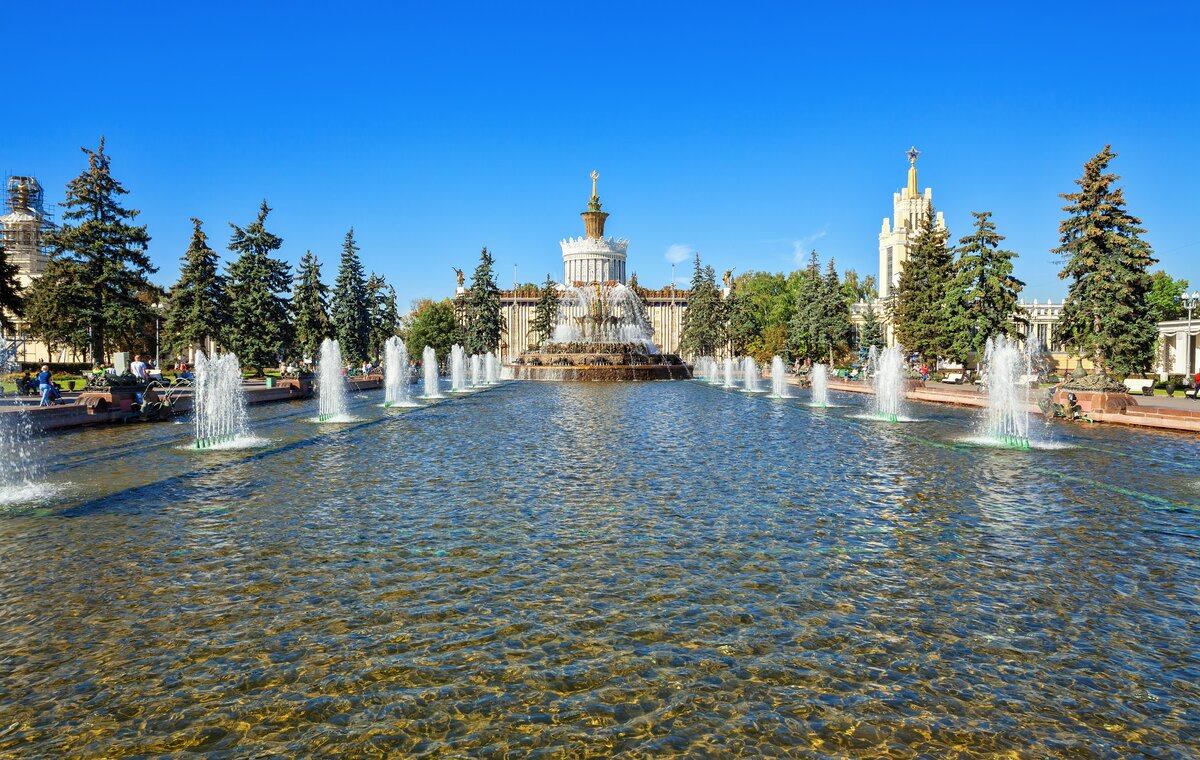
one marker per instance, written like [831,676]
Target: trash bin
[270,382]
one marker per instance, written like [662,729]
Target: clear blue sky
[742,130]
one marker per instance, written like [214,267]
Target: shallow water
[589,569]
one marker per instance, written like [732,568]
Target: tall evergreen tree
[54,300]
[545,315]
[12,303]
[704,321]
[741,327]
[483,308]
[835,317]
[310,309]
[109,254]
[350,308]
[805,327]
[920,307]
[871,332]
[258,330]
[1106,316]
[981,300]
[196,304]
[384,314]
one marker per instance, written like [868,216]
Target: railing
[10,348]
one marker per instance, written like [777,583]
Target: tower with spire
[594,258]
[896,235]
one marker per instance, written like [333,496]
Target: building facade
[897,233]
[23,228]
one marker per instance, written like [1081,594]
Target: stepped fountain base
[599,362]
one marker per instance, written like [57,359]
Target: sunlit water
[593,569]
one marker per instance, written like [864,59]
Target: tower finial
[912,171]
[595,176]
[593,218]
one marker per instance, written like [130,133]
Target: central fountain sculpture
[601,334]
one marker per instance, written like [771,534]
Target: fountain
[819,379]
[430,366]
[1006,367]
[749,375]
[458,369]
[331,403]
[728,372]
[18,466]
[476,371]
[491,368]
[218,401]
[601,334]
[396,390]
[888,382]
[779,387]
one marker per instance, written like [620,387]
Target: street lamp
[1189,302]
[157,315]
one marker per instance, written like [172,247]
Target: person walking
[138,368]
[43,381]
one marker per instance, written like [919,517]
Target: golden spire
[595,176]
[593,218]
[912,172]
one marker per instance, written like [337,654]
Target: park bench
[1140,385]
[954,378]
[1191,392]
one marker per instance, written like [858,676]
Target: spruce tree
[310,309]
[258,330]
[806,325]
[871,333]
[384,315]
[12,304]
[350,308]
[483,308]
[109,253]
[835,316]
[196,304]
[920,307]
[545,315]
[981,300]
[52,302]
[704,321]
[741,326]
[1106,316]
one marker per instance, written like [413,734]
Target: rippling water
[590,569]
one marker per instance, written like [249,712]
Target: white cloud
[801,247]
[678,253]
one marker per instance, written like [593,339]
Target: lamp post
[1189,302]
[157,315]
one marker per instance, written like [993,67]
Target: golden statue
[727,278]
[458,273]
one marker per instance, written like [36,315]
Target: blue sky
[746,131]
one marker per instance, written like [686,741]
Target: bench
[954,378]
[1140,385]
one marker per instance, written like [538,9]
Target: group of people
[42,383]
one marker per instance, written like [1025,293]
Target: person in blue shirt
[43,381]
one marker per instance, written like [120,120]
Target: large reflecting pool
[576,570]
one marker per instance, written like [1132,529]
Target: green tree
[1106,316]
[433,324]
[384,315]
[483,308]
[704,321]
[806,323]
[835,315]
[1165,297]
[741,326]
[981,300]
[258,330]
[11,301]
[920,306]
[856,290]
[109,252]
[196,304]
[310,309]
[545,315]
[871,332]
[350,308]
